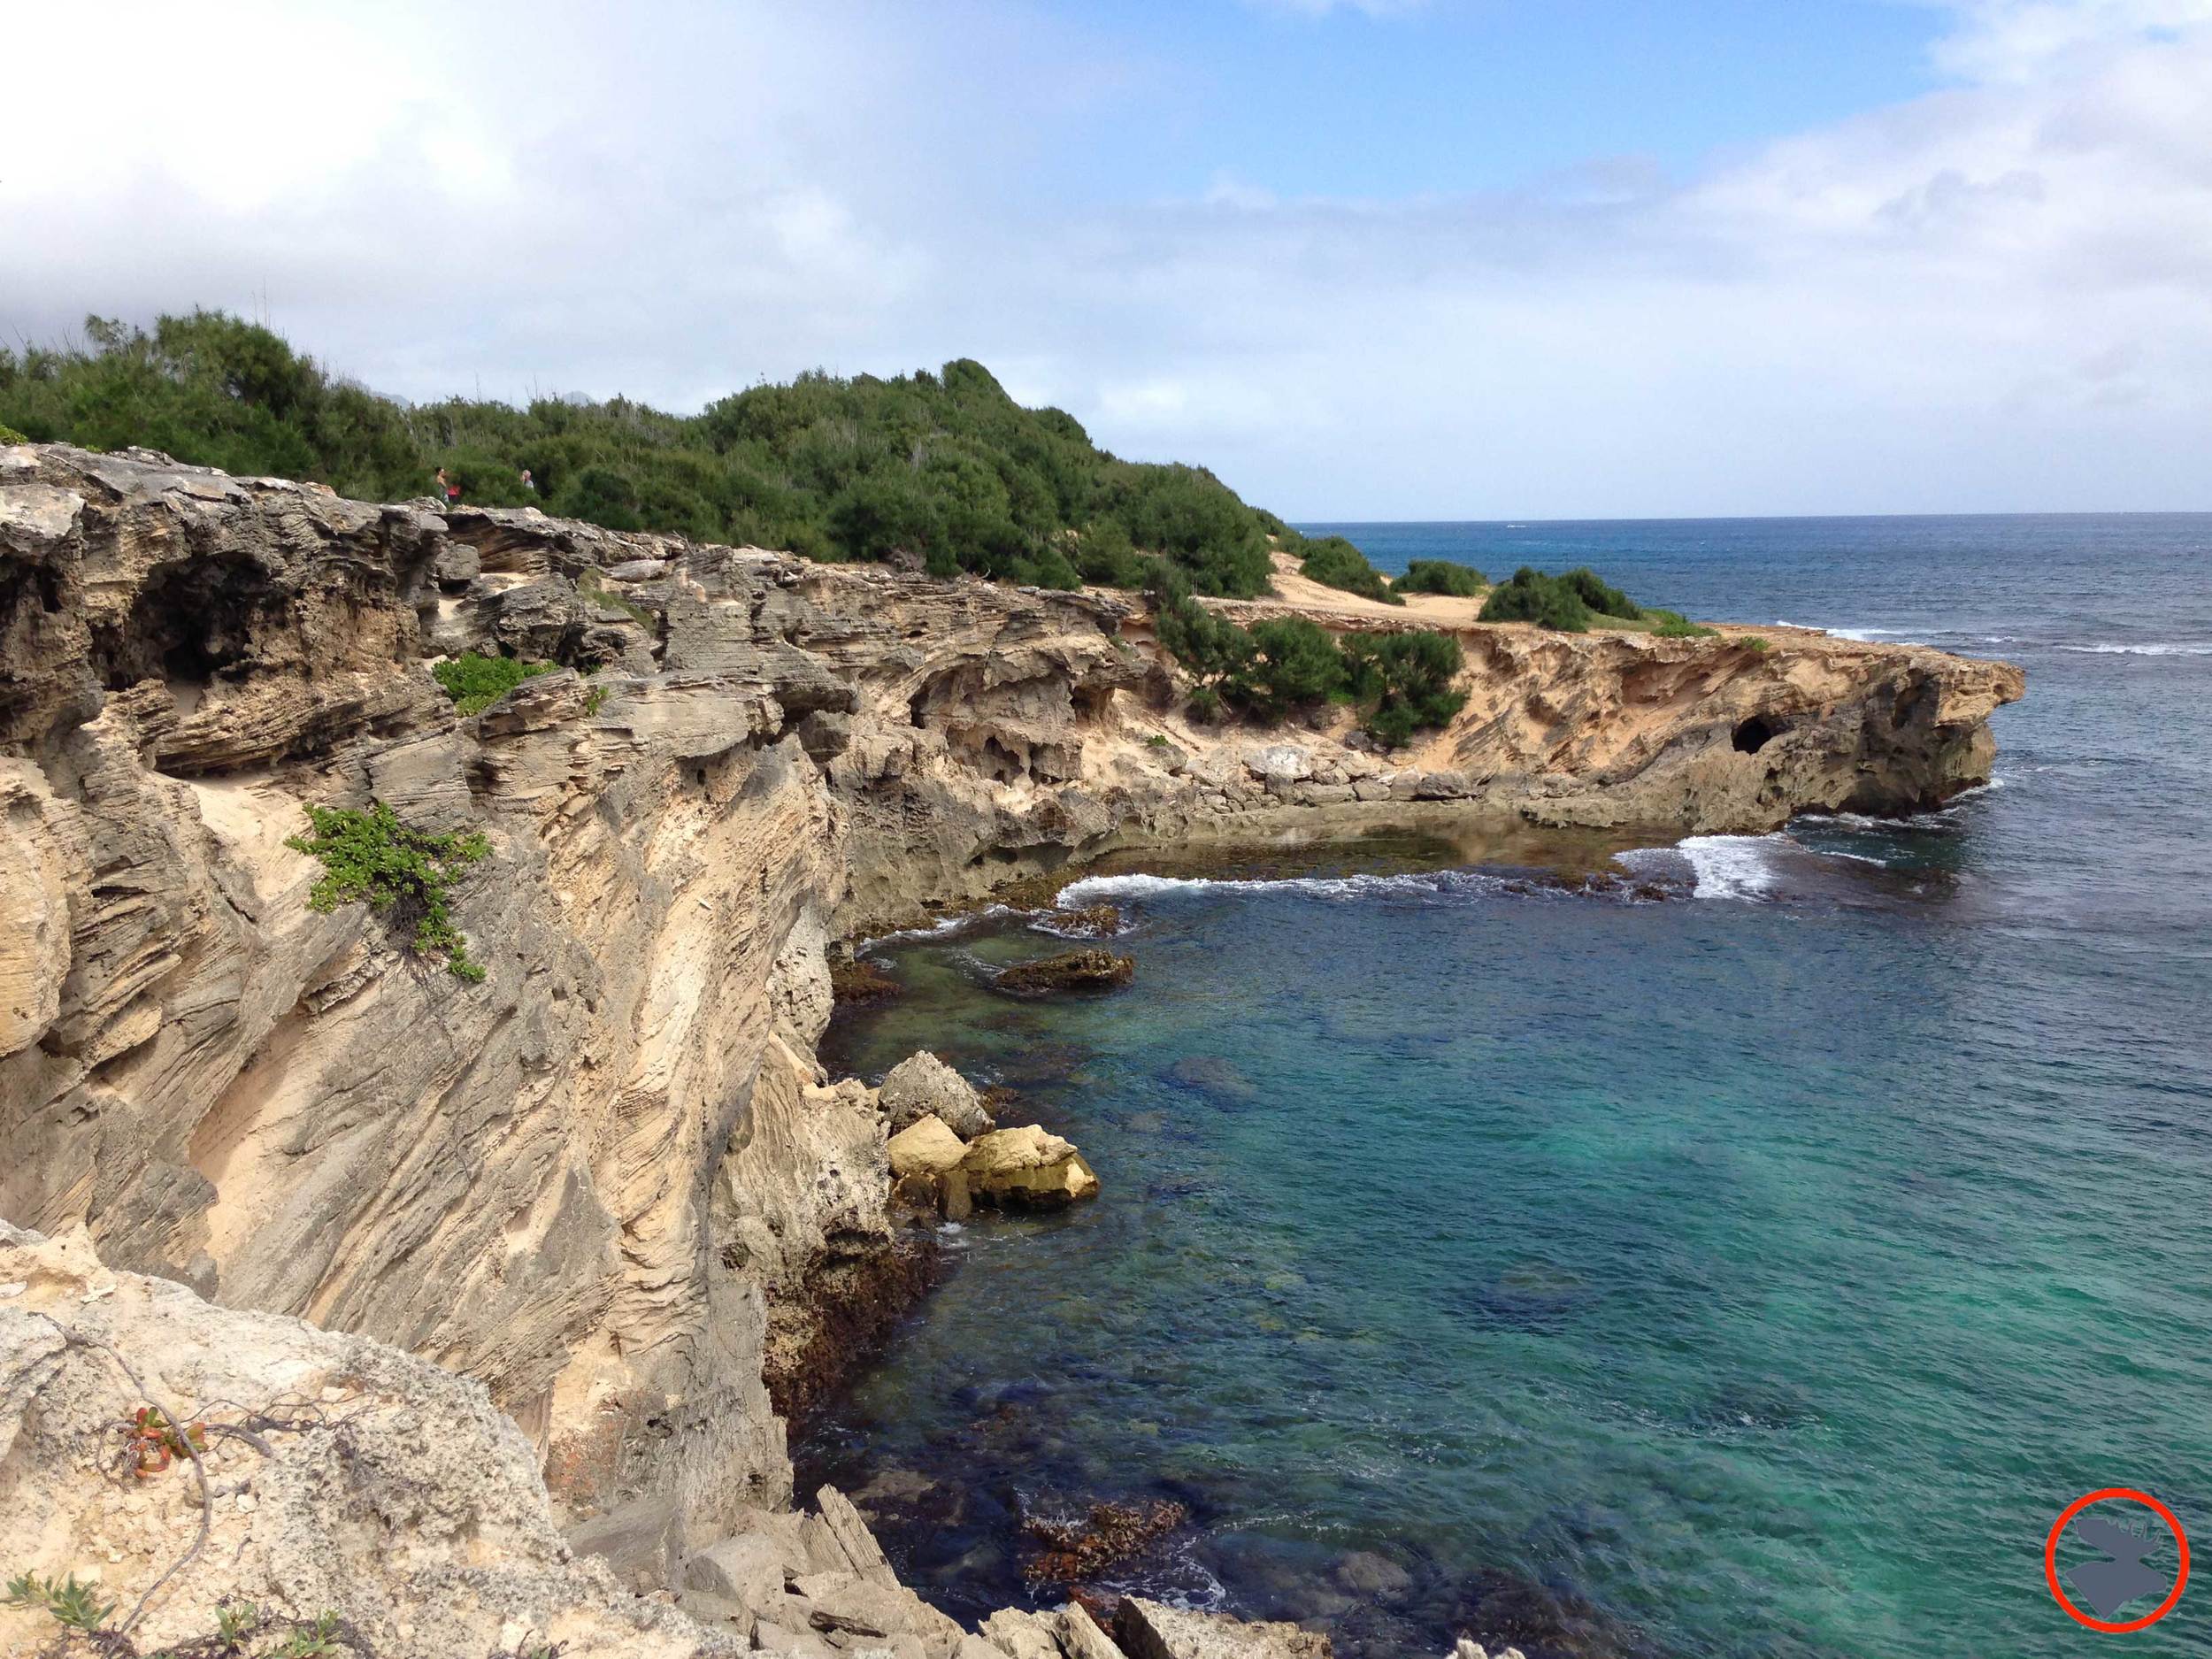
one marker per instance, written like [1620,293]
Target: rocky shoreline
[611,1183]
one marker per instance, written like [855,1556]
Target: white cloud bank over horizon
[1997,296]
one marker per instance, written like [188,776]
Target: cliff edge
[610,1182]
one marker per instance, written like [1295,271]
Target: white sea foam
[2174,648]
[1731,866]
[1099,889]
[937,930]
[1864,636]
[1721,866]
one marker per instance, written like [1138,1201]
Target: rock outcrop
[1026,1168]
[343,1478]
[1070,971]
[611,1183]
[922,1085]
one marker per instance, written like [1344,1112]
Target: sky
[1375,259]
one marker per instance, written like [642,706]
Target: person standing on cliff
[529,483]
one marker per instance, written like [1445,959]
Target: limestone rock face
[922,1084]
[376,1485]
[1026,1169]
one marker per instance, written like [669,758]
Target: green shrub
[1673,625]
[1293,663]
[1600,598]
[1335,563]
[593,698]
[1439,576]
[1405,680]
[9,434]
[1532,596]
[475,683]
[1756,644]
[371,858]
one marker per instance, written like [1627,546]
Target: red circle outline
[2050,1559]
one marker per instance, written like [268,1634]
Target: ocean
[1756,1272]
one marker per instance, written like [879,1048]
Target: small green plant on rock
[372,858]
[475,682]
[593,698]
[234,1624]
[1673,625]
[9,434]
[72,1605]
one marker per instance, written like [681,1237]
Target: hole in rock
[1750,736]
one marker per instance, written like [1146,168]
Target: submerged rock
[922,1085]
[1110,1532]
[1026,1168]
[857,980]
[1070,971]
[1093,921]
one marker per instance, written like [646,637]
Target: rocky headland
[514,1275]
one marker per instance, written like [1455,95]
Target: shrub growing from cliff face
[1405,680]
[371,858]
[1294,663]
[475,682]
[1439,576]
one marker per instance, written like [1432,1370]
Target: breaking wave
[1419,885]
[2171,647]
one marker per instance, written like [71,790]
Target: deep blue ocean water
[1755,1272]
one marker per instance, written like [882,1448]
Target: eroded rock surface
[611,1183]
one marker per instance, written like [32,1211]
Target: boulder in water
[1026,1168]
[923,1086]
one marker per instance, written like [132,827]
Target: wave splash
[1419,884]
[2169,648]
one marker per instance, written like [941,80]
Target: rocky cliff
[610,1182]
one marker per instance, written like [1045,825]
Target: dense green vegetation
[944,470]
[1404,680]
[372,858]
[475,683]
[1400,681]
[1439,576]
[1567,602]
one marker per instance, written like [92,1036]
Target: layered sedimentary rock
[610,1182]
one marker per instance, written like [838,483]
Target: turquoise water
[1755,1272]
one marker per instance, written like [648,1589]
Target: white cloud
[1997,296]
